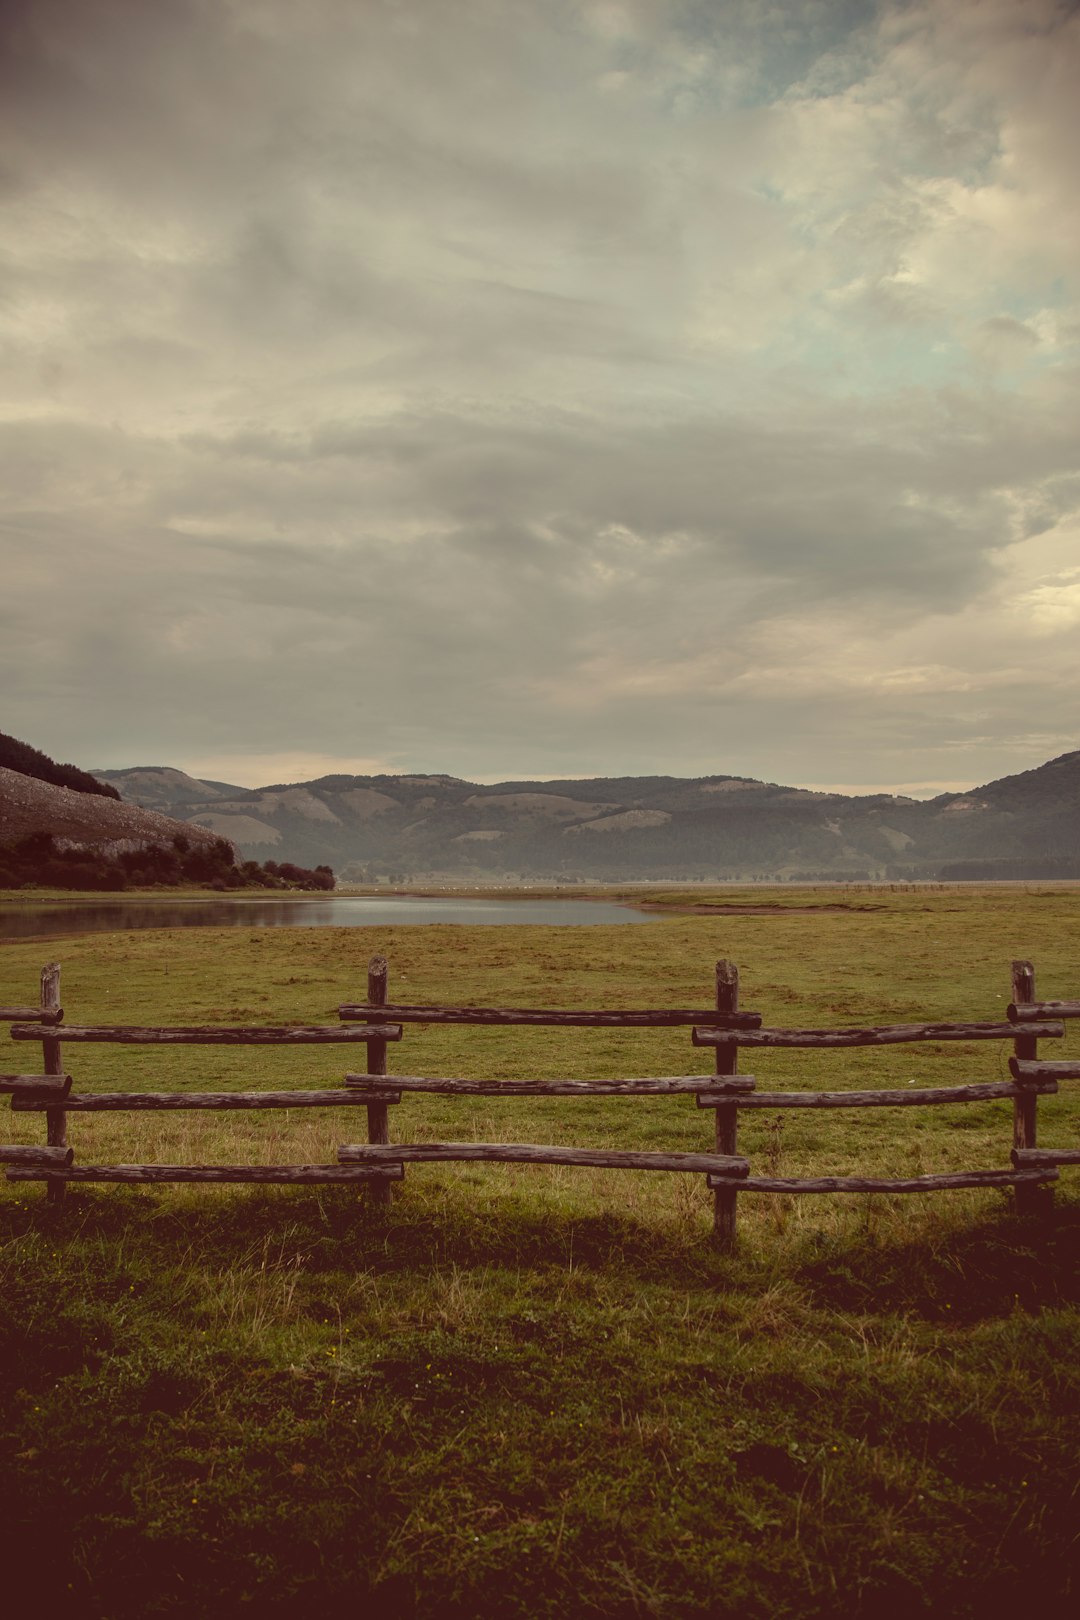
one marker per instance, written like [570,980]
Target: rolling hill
[30,806]
[625,829]
[61,828]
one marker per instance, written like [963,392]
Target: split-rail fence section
[378,1162]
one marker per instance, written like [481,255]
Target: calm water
[49,919]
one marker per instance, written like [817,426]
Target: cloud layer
[520,389]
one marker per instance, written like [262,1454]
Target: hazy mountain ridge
[625,828]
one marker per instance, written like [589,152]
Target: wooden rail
[1020,1012]
[44,1086]
[378,1163]
[885,1184]
[208,1034]
[675,1085]
[57,1156]
[279,1174]
[923,1097]
[1030,1158]
[877,1035]
[527,1153]
[660,1018]
[1031,1071]
[133,1101]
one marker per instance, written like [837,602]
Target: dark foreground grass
[269,1402]
[540,1393]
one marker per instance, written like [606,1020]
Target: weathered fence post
[55,1118]
[727,1113]
[1028,1199]
[378,1114]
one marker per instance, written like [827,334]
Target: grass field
[529,1392]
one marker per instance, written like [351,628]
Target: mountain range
[625,829]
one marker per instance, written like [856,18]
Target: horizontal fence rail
[876,1035]
[1019,1012]
[280,1174]
[379,1163]
[208,1035]
[1030,1071]
[46,1086]
[886,1184]
[660,1018]
[133,1101]
[675,1085]
[527,1153]
[924,1097]
[58,1156]
[1024,1158]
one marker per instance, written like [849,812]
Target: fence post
[55,1118]
[1028,1200]
[727,1113]
[378,1113]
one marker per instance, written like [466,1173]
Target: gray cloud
[541,389]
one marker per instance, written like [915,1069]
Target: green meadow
[542,1392]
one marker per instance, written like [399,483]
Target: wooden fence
[724,1028]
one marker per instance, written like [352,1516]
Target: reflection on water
[48,919]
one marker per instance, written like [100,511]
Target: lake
[49,919]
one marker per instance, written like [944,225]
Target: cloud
[536,389]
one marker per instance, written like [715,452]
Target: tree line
[40,860]
[19,756]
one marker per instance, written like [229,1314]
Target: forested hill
[628,829]
[19,756]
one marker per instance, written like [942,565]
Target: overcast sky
[523,388]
